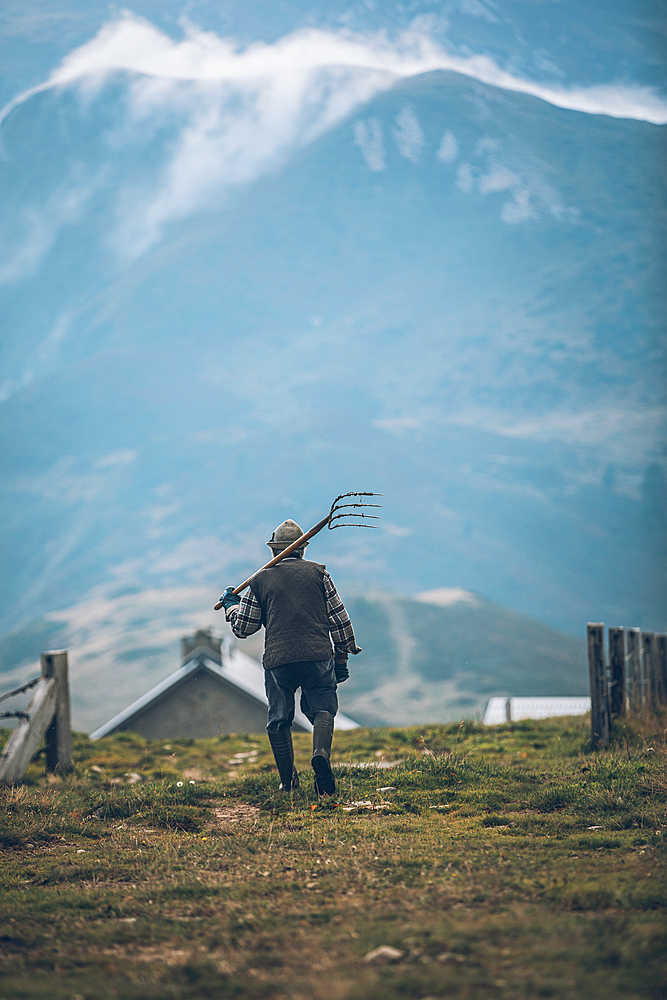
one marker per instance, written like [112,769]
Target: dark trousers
[317,681]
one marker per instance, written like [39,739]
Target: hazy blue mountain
[452,297]
[421,662]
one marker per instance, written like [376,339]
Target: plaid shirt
[246,619]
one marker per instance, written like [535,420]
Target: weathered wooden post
[59,733]
[597,674]
[47,715]
[656,673]
[648,664]
[662,666]
[617,672]
[634,672]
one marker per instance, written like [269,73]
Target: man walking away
[298,604]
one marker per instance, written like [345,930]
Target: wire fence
[13,694]
[19,690]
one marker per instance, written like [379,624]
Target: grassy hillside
[505,862]
[420,663]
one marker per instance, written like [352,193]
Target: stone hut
[218,689]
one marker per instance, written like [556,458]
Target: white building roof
[504,709]
[237,668]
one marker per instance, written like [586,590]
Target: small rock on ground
[385,953]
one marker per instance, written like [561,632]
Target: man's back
[294,612]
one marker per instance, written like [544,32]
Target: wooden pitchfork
[335,514]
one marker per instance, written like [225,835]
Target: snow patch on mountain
[444,597]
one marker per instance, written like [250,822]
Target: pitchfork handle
[281,555]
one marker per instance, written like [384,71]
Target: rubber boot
[281,744]
[323,725]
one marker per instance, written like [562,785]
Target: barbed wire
[20,690]
[14,715]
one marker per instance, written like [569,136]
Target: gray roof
[237,668]
[513,709]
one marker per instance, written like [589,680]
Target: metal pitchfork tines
[336,507]
[335,514]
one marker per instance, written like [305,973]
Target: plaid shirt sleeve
[340,625]
[246,618]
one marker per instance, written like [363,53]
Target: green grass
[505,862]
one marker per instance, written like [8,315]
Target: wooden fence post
[47,715]
[634,672]
[59,733]
[617,672]
[29,732]
[597,674]
[662,666]
[656,675]
[648,664]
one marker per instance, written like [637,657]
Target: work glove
[341,671]
[229,600]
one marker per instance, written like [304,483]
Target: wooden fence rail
[47,716]
[634,681]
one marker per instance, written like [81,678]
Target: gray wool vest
[294,612]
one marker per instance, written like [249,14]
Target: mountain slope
[420,662]
[452,297]
[443,663]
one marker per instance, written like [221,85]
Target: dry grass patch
[233,814]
